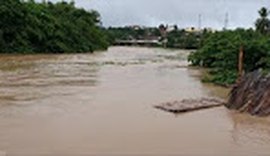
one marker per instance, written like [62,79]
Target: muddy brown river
[102,104]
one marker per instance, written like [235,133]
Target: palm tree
[263,12]
[263,23]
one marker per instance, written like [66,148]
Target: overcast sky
[184,13]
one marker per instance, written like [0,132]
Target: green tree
[30,27]
[220,52]
[263,23]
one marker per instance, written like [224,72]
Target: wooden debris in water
[189,105]
[251,94]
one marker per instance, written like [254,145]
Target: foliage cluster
[186,40]
[220,53]
[30,27]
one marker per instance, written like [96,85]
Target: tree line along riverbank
[46,27]
[220,51]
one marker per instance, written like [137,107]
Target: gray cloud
[184,13]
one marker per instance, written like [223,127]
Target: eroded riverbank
[102,104]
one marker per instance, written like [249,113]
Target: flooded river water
[102,104]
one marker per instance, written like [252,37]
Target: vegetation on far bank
[220,50]
[30,27]
[173,38]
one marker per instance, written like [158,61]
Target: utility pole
[200,22]
[226,21]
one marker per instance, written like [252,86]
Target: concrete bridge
[138,42]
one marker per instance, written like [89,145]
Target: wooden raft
[189,105]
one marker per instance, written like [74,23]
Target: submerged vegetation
[220,50]
[30,27]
